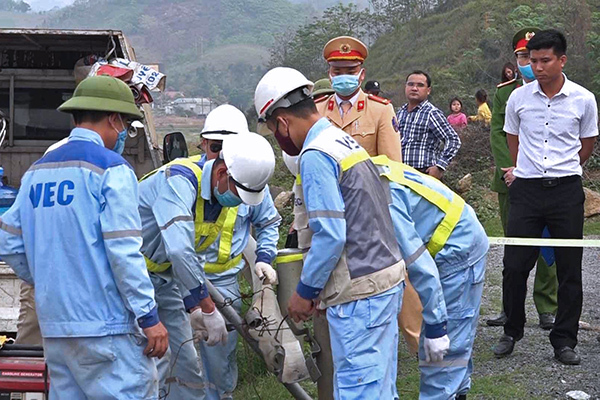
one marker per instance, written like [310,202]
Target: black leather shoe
[461,397]
[505,346]
[567,355]
[546,321]
[500,320]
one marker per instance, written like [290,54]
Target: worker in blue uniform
[353,269]
[181,215]
[436,230]
[74,232]
[223,255]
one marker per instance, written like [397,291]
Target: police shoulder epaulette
[506,83]
[321,99]
[379,99]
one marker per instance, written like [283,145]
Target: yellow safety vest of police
[452,209]
[206,233]
[371,262]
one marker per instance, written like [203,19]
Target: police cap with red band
[523,37]
[345,51]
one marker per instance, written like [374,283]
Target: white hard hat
[291,162]
[250,163]
[279,88]
[223,121]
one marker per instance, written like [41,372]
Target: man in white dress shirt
[552,125]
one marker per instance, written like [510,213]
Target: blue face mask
[527,72]
[227,199]
[345,85]
[120,145]
[121,136]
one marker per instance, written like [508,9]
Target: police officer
[546,283]
[352,271]
[370,120]
[74,232]
[183,209]
[223,254]
[447,247]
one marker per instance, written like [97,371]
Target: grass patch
[591,226]
[498,386]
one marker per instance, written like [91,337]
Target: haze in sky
[45,5]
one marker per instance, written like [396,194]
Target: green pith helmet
[322,86]
[102,93]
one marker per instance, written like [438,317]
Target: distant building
[194,105]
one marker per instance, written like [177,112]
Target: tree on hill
[461,43]
[18,6]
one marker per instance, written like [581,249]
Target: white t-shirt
[550,130]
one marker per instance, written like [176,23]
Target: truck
[37,69]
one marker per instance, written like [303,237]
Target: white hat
[250,163]
[278,88]
[224,121]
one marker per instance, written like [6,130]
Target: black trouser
[534,204]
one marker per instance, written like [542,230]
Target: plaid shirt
[427,137]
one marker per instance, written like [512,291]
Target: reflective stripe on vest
[209,231]
[452,208]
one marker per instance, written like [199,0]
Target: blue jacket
[264,217]
[76,221]
[167,201]
[323,200]
[415,220]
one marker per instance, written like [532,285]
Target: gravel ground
[532,363]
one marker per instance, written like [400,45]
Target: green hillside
[200,43]
[465,48]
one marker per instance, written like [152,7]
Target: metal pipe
[234,318]
[11,111]
[289,269]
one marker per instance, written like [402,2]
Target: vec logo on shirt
[49,193]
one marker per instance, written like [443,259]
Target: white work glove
[436,349]
[263,269]
[209,327]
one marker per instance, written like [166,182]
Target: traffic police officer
[545,285]
[74,232]
[355,271]
[371,121]
[446,247]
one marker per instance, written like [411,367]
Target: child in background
[484,115]
[457,119]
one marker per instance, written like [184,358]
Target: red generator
[23,373]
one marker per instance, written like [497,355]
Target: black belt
[552,182]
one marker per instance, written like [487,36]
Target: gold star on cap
[345,51]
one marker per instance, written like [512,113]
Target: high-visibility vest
[452,208]
[209,231]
